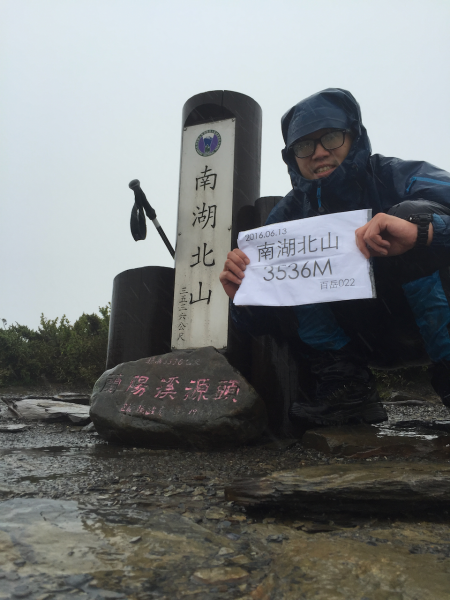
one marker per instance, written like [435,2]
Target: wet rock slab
[368,488]
[424,427]
[402,439]
[402,399]
[12,428]
[181,399]
[63,548]
[49,410]
[73,397]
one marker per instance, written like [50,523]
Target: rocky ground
[80,518]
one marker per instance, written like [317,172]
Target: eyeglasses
[330,141]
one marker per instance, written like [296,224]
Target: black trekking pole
[137,222]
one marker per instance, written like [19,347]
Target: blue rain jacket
[363,180]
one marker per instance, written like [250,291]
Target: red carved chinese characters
[227,388]
[168,389]
[198,391]
[137,385]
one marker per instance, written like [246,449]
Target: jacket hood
[336,108]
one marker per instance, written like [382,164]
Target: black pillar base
[141,314]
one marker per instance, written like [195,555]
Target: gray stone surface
[181,399]
[51,410]
[367,488]
[12,428]
[73,397]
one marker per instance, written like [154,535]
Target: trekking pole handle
[141,200]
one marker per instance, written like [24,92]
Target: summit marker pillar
[219,183]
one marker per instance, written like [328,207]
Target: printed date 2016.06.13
[261,235]
[293,271]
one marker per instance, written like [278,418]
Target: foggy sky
[92,93]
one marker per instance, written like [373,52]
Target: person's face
[323,162]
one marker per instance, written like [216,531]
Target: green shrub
[57,351]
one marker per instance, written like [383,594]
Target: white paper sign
[305,262]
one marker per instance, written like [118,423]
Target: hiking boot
[440,380]
[346,392]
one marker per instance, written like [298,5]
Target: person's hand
[233,271]
[386,235]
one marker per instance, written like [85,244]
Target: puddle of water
[388,431]
[34,465]
[63,538]
[52,477]
[100,451]
[76,551]
[40,451]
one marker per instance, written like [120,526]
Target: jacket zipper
[319,196]
[413,179]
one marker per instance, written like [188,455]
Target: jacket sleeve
[411,180]
[414,180]
[441,232]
